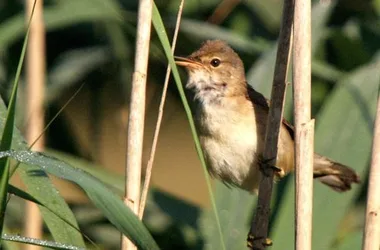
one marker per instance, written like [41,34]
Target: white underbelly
[231,155]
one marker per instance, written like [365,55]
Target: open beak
[186,62]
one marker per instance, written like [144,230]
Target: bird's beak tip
[186,62]
[180,60]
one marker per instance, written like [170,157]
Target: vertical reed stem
[148,172]
[137,113]
[34,104]
[371,238]
[258,235]
[304,127]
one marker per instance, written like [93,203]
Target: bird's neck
[223,108]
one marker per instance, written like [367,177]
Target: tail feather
[333,174]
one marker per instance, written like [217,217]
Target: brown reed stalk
[304,126]
[137,113]
[258,235]
[148,171]
[371,238]
[35,92]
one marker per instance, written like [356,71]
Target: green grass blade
[9,245]
[108,202]
[160,29]
[42,186]
[38,186]
[113,180]
[38,242]
[6,139]
[42,189]
[162,208]
[22,194]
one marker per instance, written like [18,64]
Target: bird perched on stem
[231,118]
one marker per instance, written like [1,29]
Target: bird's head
[215,71]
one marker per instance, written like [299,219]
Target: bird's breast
[230,143]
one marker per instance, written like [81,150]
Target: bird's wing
[258,99]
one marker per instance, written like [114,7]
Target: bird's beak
[188,63]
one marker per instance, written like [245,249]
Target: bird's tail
[333,174]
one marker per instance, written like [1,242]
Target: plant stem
[304,126]
[259,227]
[148,171]
[35,92]
[137,113]
[371,238]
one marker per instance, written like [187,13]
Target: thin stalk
[258,235]
[158,25]
[371,238]
[137,113]
[35,92]
[6,139]
[304,126]
[148,171]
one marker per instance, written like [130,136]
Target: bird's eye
[215,62]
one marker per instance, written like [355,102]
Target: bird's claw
[266,242]
[265,166]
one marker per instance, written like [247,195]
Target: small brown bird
[231,118]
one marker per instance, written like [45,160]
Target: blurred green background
[92,42]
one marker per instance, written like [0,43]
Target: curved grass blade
[24,195]
[109,203]
[39,186]
[42,189]
[38,242]
[160,29]
[6,139]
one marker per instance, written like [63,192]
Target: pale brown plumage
[231,119]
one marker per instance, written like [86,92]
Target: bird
[231,119]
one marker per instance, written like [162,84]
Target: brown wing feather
[333,174]
[258,99]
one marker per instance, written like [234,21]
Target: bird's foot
[265,167]
[264,242]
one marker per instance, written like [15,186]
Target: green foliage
[110,204]
[42,243]
[38,185]
[41,188]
